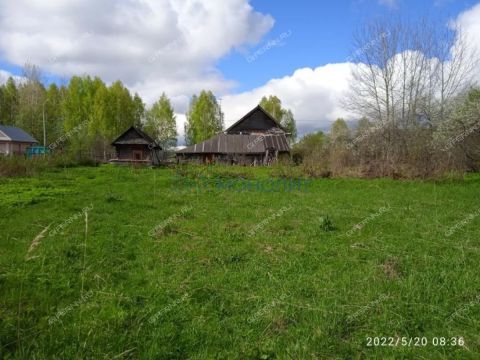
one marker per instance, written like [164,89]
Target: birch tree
[405,76]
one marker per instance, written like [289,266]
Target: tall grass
[20,166]
[300,288]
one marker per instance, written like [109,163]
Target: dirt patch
[391,268]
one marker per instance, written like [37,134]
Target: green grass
[303,284]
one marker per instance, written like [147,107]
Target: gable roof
[13,133]
[134,136]
[250,117]
[238,144]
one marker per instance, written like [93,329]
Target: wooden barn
[256,139]
[14,141]
[136,147]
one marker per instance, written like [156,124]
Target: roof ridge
[140,132]
[258,107]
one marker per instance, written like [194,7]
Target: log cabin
[256,139]
[136,147]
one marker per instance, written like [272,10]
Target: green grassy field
[234,274]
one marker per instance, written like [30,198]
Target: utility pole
[44,128]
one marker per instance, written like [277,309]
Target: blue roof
[17,134]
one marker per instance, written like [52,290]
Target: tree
[123,107]
[95,114]
[406,70]
[138,110]
[9,111]
[340,155]
[161,123]
[273,105]
[31,100]
[77,112]
[84,116]
[204,118]
[1,102]
[405,79]
[311,153]
[53,114]
[363,126]
[102,122]
[340,133]
[32,73]
[288,122]
[458,138]
[310,145]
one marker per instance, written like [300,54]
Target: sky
[240,49]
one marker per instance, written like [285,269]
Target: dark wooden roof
[135,136]
[239,144]
[256,120]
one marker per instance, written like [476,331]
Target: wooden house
[255,139]
[14,141]
[136,147]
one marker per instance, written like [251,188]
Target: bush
[11,166]
[326,223]
[315,170]
[19,166]
[286,171]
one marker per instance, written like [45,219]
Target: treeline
[413,90]
[86,115]
[371,149]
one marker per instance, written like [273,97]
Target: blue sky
[181,47]
[321,33]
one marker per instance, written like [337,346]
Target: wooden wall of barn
[125,152]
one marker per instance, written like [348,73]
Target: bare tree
[405,69]
[32,73]
[31,94]
[404,78]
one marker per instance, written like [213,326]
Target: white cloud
[151,45]
[162,45]
[312,94]
[469,23]
[181,119]
[4,75]
[172,46]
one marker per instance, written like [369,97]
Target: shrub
[19,166]
[326,224]
[11,166]
[286,171]
[315,170]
